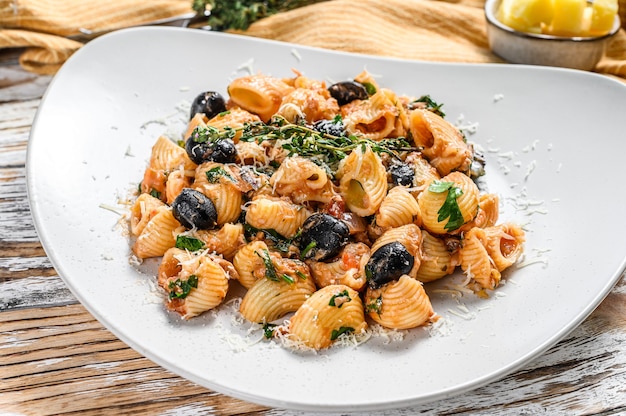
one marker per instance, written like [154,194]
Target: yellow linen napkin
[445,31]
[41,26]
[452,31]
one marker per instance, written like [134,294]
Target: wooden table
[55,358]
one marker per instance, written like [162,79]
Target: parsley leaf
[450,208]
[188,243]
[431,105]
[179,289]
[375,306]
[268,330]
[213,175]
[340,298]
[270,269]
[337,332]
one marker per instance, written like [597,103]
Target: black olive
[210,103]
[194,209]
[387,263]
[221,151]
[347,91]
[322,237]
[402,174]
[332,127]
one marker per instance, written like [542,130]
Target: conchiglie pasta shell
[224,194]
[430,203]
[437,261]
[475,260]
[246,261]
[211,291]
[302,180]
[307,104]
[443,144]
[268,300]
[398,208]
[348,269]
[374,118]
[225,241]
[234,118]
[142,211]
[158,235]
[176,182]
[314,322]
[168,156]
[403,304]
[277,214]
[504,243]
[363,181]
[259,94]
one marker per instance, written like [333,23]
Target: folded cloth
[42,26]
[430,30]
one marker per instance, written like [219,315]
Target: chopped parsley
[375,306]
[213,175]
[270,269]
[179,289]
[188,243]
[450,208]
[268,330]
[369,87]
[338,332]
[431,105]
[308,248]
[339,299]
[280,242]
[154,193]
[210,134]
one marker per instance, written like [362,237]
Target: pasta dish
[332,206]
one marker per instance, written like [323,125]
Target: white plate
[553,139]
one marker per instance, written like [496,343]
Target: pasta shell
[401,304]
[307,104]
[431,202]
[374,118]
[142,211]
[443,144]
[246,261]
[226,241]
[437,261]
[302,180]
[475,260]
[504,243]
[348,269]
[398,208]
[259,94]
[363,181]
[224,193]
[326,314]
[268,300]
[168,156]
[158,235]
[277,214]
[212,282]
[176,182]
[234,118]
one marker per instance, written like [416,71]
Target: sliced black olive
[347,91]
[332,127]
[194,209]
[388,263]
[221,151]
[402,174]
[323,237]
[210,103]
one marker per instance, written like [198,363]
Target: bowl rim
[491,6]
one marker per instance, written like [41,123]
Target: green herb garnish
[240,14]
[431,105]
[179,289]
[375,306]
[154,193]
[188,243]
[343,330]
[342,297]
[213,175]
[370,88]
[268,330]
[450,208]
[281,243]
[270,269]
[308,248]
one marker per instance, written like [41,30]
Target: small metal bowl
[537,49]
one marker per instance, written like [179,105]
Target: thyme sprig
[240,14]
[324,149]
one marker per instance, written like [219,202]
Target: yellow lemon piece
[602,17]
[568,18]
[526,15]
